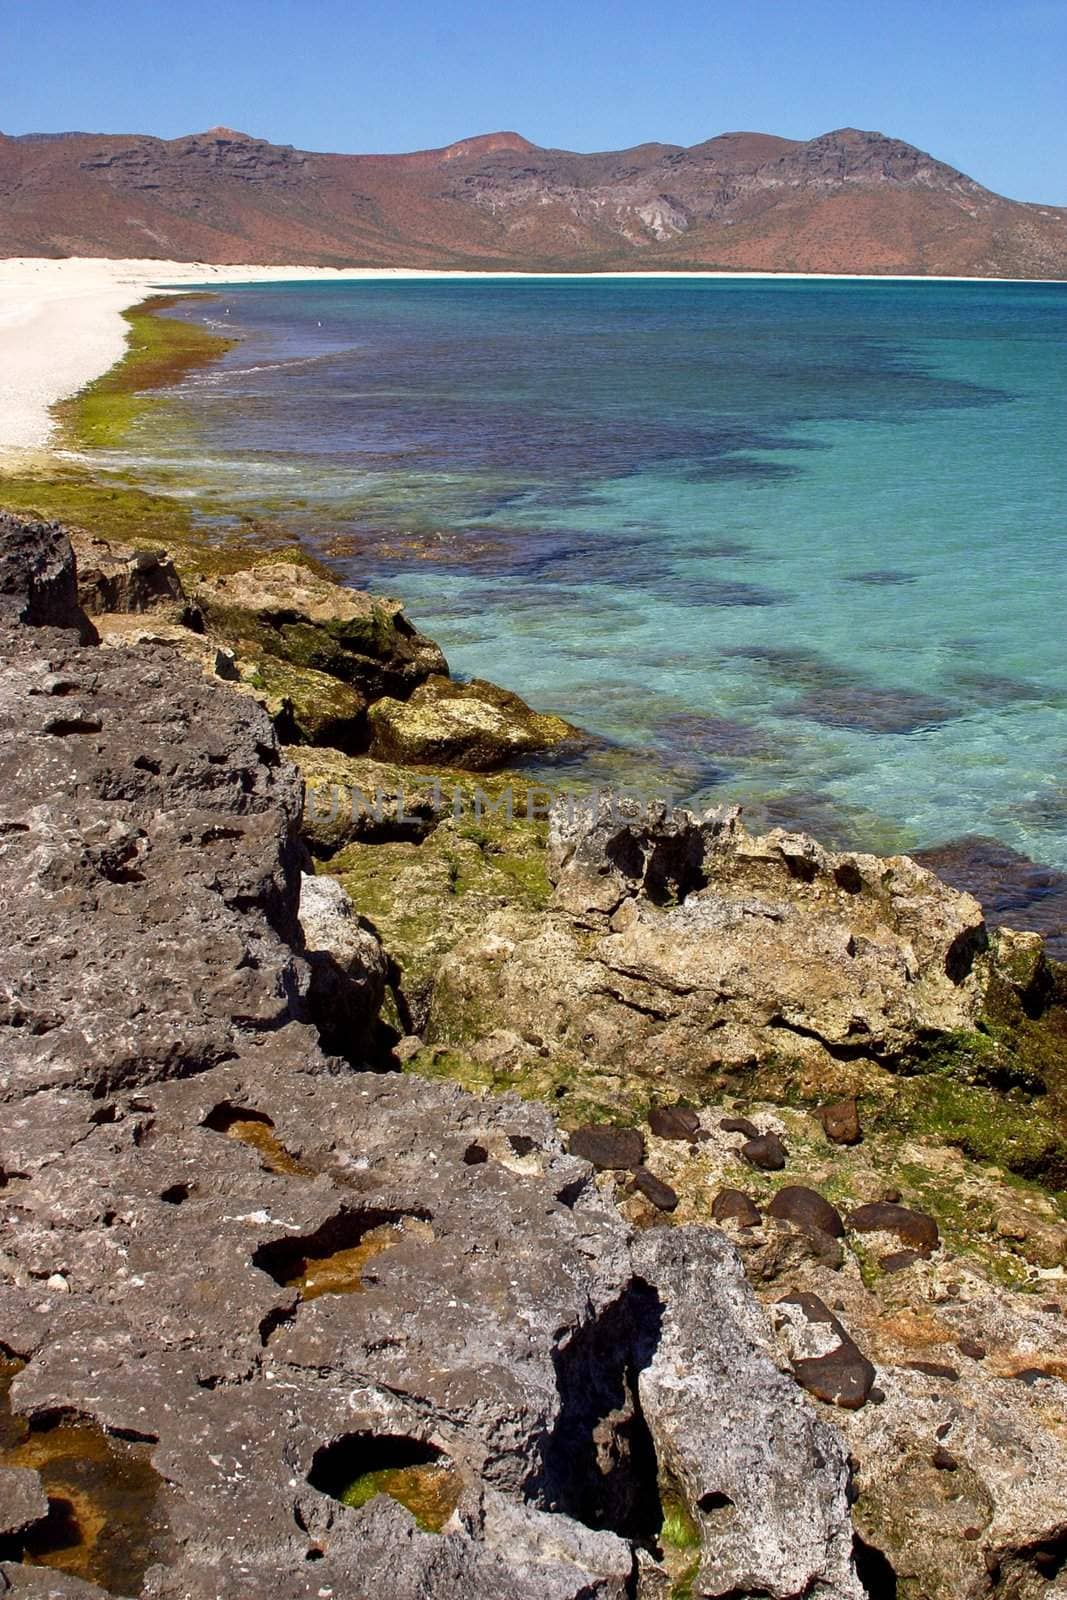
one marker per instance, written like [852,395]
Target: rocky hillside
[848,201]
[274,1323]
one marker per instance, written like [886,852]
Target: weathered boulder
[348,966]
[290,611]
[38,577]
[475,725]
[304,706]
[114,577]
[268,1287]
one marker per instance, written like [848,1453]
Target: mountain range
[847,201]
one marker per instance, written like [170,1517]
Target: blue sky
[979,83]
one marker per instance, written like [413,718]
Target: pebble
[841,1122]
[740,1125]
[808,1209]
[944,1460]
[661,1195]
[674,1122]
[913,1228]
[766,1152]
[609,1149]
[733,1205]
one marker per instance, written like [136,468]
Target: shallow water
[800,544]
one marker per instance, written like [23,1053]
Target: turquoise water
[799,544]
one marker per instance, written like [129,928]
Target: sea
[795,544]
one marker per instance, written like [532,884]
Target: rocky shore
[450,1201]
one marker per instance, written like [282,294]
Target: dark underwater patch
[871,710]
[1013,890]
[881,577]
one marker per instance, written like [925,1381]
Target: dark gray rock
[247,1262]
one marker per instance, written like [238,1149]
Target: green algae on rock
[101,1522]
[287,610]
[474,725]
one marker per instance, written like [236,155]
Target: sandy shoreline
[61,323]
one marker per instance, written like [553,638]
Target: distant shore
[61,320]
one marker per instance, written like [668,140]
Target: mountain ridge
[849,200]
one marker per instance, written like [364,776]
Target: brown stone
[740,1125]
[913,1228]
[674,1122]
[767,1152]
[733,1205]
[841,1122]
[843,1376]
[660,1194]
[609,1149]
[808,1209]
[898,1260]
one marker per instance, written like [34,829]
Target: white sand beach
[61,323]
[61,326]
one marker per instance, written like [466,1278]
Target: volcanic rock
[266,1332]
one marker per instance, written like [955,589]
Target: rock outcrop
[688,945]
[475,725]
[280,1310]
[292,613]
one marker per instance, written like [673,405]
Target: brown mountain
[845,202]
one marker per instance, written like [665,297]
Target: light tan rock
[473,725]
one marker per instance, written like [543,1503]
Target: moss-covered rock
[307,707]
[350,799]
[475,725]
[287,610]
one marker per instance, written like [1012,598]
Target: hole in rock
[599,1463]
[877,1577]
[359,1466]
[255,1129]
[714,1502]
[64,727]
[331,1260]
[847,876]
[176,1195]
[103,1524]
[675,869]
